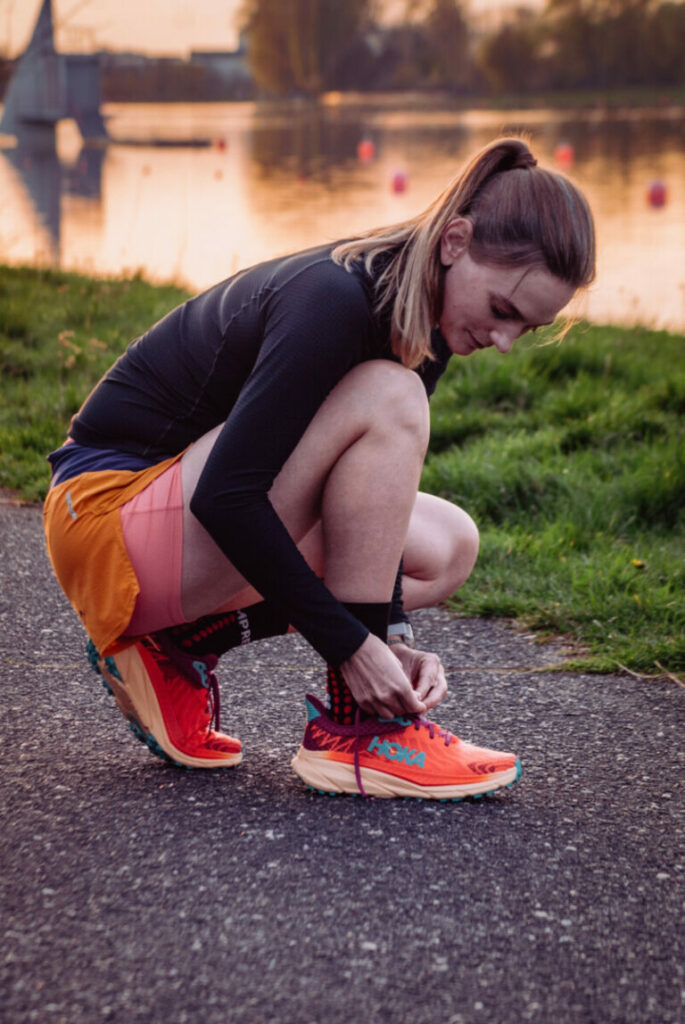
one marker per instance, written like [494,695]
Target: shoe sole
[334,778]
[138,704]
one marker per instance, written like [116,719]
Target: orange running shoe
[170,701]
[398,757]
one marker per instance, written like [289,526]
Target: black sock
[343,706]
[216,634]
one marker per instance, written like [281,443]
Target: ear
[455,240]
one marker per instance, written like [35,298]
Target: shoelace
[214,699]
[199,672]
[211,683]
[357,769]
[433,729]
[381,725]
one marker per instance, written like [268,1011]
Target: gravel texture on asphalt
[136,892]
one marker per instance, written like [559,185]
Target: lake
[193,192]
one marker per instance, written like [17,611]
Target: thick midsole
[136,698]
[320,772]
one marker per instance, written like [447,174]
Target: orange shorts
[85,540]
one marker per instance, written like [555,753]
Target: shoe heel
[99,665]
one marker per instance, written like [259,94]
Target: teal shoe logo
[203,673]
[396,752]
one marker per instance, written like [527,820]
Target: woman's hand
[425,672]
[380,684]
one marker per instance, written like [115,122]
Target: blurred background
[184,139]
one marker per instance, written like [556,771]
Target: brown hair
[521,215]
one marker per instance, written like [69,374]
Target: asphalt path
[134,891]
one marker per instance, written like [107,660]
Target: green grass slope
[570,457]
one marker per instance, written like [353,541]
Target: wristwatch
[401,633]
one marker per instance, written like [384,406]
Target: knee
[462,545]
[448,547]
[395,399]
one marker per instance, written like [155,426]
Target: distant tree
[509,58]
[588,44]
[598,10]
[447,35]
[404,61]
[306,46]
[602,43]
[572,45]
[300,46]
[665,47]
[622,52]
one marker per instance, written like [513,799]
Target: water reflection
[33,192]
[35,162]
[84,177]
[280,177]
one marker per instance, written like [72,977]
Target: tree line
[305,47]
[309,46]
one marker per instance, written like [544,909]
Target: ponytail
[521,215]
[501,156]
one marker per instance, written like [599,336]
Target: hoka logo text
[396,752]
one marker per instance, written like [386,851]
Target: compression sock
[216,634]
[342,704]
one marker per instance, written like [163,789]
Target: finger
[436,688]
[397,705]
[391,704]
[436,695]
[433,687]
[430,674]
[412,703]
[427,680]
[378,708]
[402,699]
[380,705]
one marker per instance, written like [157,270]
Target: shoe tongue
[399,720]
[197,669]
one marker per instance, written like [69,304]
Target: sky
[151,26]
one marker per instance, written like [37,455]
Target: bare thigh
[440,552]
[209,581]
[358,448]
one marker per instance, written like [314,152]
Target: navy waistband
[73,459]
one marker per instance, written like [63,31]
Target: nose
[503,338]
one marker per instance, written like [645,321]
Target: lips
[474,340]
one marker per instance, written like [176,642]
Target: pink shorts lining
[152,524]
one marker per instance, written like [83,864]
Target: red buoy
[366,151]
[565,154]
[399,182]
[657,194]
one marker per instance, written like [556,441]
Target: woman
[251,465]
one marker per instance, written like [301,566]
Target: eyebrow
[515,313]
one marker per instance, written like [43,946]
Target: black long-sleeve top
[259,353]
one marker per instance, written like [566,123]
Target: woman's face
[486,304]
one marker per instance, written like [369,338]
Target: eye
[498,312]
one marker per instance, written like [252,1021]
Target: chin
[462,348]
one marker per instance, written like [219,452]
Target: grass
[58,334]
[570,456]
[571,459]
